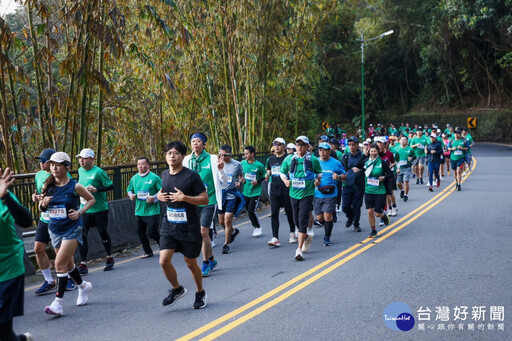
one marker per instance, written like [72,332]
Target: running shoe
[349,223]
[413,176]
[83,294]
[257,232]
[147,255]
[174,295]
[338,209]
[215,235]
[438,183]
[311,232]
[373,234]
[213,243]
[458,188]
[54,309]
[402,194]
[28,336]
[200,301]
[385,219]
[109,264]
[317,223]
[274,242]
[430,189]
[293,239]
[212,264]
[71,285]
[205,269]
[417,181]
[307,243]
[421,181]
[327,241]
[357,229]
[46,288]
[225,249]
[82,269]
[235,233]
[394,211]
[298,255]
[406,198]
[381,223]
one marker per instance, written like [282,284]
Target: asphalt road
[444,251]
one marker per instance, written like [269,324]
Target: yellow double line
[352,252]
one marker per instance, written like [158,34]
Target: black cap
[46,154]
[458,131]
[353,138]
[420,128]
[334,141]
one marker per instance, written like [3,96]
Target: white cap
[85,153]
[279,140]
[381,139]
[60,157]
[433,134]
[290,146]
[369,140]
[303,139]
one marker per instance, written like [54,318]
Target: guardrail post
[118,184]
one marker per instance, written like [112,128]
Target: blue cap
[46,154]
[324,145]
[324,138]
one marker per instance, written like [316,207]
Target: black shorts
[42,234]
[11,298]
[301,209]
[98,219]
[390,185]
[186,242]
[375,201]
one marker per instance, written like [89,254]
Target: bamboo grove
[124,77]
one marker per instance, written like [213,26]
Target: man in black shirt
[182,190]
[279,193]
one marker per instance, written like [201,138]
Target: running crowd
[313,185]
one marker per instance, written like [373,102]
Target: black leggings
[276,202]
[251,203]
[100,220]
[148,227]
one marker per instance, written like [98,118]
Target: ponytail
[49,183]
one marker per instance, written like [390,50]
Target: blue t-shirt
[329,167]
[63,199]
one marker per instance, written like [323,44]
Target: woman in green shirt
[376,172]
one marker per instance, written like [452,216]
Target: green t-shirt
[339,155]
[11,246]
[403,156]
[40,178]
[96,177]
[373,185]
[206,174]
[302,184]
[423,141]
[470,141]
[144,187]
[252,171]
[457,154]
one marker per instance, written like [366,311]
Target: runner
[303,168]
[457,157]
[334,144]
[60,197]
[353,186]
[376,173]
[279,194]
[418,144]
[388,157]
[446,154]
[97,182]
[182,190]
[404,163]
[434,154]
[12,267]
[210,169]
[143,189]
[290,149]
[326,190]
[254,174]
[469,142]
[232,199]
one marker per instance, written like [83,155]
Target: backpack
[308,164]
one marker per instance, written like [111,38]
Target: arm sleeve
[21,215]
[106,182]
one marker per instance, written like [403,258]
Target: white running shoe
[83,294]
[274,242]
[381,223]
[389,211]
[55,308]
[307,243]
[293,238]
[298,255]
[311,232]
[394,211]
[213,244]
[257,232]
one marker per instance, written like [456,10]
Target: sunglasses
[278,144]
[224,155]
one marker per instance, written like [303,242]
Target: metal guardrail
[120,175]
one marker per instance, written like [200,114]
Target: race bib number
[176,215]
[372,182]
[45,216]
[421,146]
[230,179]
[57,212]
[298,183]
[83,201]
[457,152]
[275,170]
[402,163]
[250,177]
[142,195]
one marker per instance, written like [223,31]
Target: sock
[47,273]
[373,227]
[394,205]
[328,225]
[82,285]
[62,282]
[75,274]
[211,259]
[205,262]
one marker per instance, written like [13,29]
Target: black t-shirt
[277,186]
[181,216]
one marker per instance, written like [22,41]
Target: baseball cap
[458,131]
[433,134]
[324,145]
[334,141]
[85,153]
[380,139]
[324,138]
[279,140]
[303,139]
[46,154]
[393,137]
[420,128]
[290,146]
[60,157]
[353,139]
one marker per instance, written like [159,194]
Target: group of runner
[334,178]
